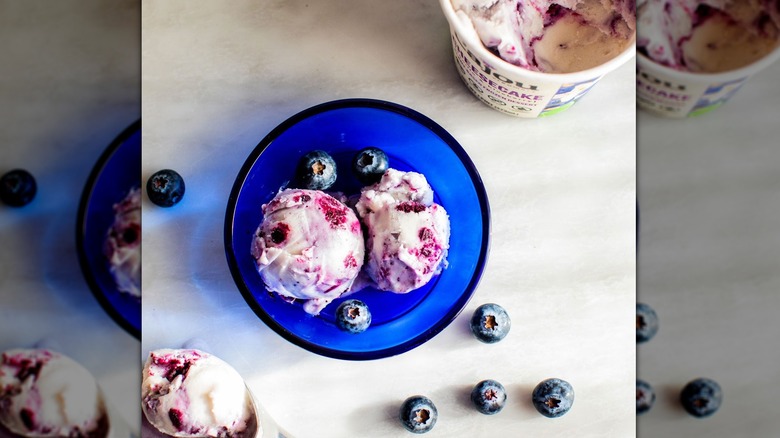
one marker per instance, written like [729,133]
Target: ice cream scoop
[408,234]
[552,36]
[47,394]
[190,393]
[309,246]
[122,246]
[707,36]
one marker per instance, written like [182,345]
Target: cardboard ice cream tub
[675,93]
[512,89]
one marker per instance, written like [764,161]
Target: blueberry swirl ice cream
[408,234]
[122,247]
[47,394]
[552,36]
[308,247]
[190,393]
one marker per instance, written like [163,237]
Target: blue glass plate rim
[86,196]
[409,113]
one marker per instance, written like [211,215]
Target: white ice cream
[46,394]
[408,234]
[123,244]
[190,393]
[553,36]
[309,246]
[707,36]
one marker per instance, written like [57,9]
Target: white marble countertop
[709,191]
[69,84]
[217,77]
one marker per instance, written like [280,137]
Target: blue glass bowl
[413,142]
[117,171]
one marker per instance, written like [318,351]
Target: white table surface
[218,76]
[709,252]
[69,84]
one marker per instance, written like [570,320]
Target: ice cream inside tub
[552,36]
[309,246]
[190,393]
[47,394]
[122,246]
[707,36]
[407,233]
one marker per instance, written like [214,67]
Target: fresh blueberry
[701,397]
[418,414]
[490,323]
[370,164]
[165,188]
[646,322]
[489,397]
[353,316]
[316,171]
[17,188]
[645,397]
[553,397]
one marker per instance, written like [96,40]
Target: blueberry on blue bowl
[17,188]
[165,188]
[316,171]
[353,316]
[645,397]
[489,397]
[490,323]
[553,397]
[370,164]
[418,414]
[646,322]
[701,397]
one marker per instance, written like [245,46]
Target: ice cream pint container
[679,94]
[514,90]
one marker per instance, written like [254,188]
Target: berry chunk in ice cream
[408,234]
[122,246]
[190,393]
[309,246]
[47,394]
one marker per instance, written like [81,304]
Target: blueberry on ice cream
[552,36]
[309,246]
[190,393]
[122,246]
[47,394]
[407,233]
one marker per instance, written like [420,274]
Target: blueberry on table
[645,397]
[316,171]
[165,188]
[701,397]
[646,322]
[418,414]
[353,316]
[370,164]
[490,323]
[553,397]
[489,397]
[17,188]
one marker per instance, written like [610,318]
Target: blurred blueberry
[17,188]
[489,397]
[701,397]
[165,188]
[370,164]
[553,397]
[646,322]
[353,316]
[490,323]
[645,397]
[418,414]
[316,171]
